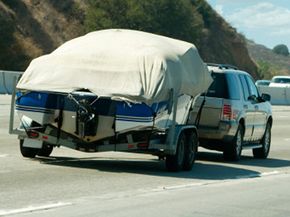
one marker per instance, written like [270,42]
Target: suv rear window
[218,87]
[224,86]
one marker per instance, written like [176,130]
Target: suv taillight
[227,112]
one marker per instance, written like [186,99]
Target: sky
[267,22]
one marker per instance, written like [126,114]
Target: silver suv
[232,115]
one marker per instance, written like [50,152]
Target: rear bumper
[225,132]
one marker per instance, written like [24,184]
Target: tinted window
[218,87]
[263,83]
[244,87]
[233,86]
[281,80]
[252,87]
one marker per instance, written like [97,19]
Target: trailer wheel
[46,150]
[26,151]
[175,162]
[190,151]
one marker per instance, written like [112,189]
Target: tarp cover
[123,64]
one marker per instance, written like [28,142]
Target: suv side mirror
[252,98]
[266,97]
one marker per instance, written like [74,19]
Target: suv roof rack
[223,66]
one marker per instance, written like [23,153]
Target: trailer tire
[26,151]
[174,163]
[46,150]
[190,151]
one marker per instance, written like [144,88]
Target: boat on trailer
[96,93]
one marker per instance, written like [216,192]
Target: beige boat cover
[122,64]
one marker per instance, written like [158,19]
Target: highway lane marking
[162,189]
[33,209]
[282,116]
[3,155]
[243,177]
[271,173]
[258,175]
[287,139]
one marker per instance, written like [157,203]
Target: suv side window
[244,87]
[233,85]
[252,87]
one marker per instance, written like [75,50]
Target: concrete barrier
[279,95]
[7,81]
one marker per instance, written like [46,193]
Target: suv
[232,115]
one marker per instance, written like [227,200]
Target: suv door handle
[246,107]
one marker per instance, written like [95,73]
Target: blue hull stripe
[33,109]
[47,103]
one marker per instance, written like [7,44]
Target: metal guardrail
[7,79]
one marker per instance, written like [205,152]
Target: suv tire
[233,150]
[266,143]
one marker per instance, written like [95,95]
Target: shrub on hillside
[281,49]
[172,18]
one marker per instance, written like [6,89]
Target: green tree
[281,49]
[173,18]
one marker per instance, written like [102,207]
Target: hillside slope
[35,27]
[270,63]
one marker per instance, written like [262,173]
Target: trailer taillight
[33,134]
[142,145]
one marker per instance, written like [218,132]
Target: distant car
[262,82]
[232,115]
[280,81]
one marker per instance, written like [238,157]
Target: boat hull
[111,117]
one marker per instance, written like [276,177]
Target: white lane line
[282,116]
[271,173]
[3,155]
[33,209]
[287,139]
[257,175]
[242,177]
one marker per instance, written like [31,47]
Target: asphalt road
[71,183]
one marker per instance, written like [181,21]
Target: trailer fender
[187,129]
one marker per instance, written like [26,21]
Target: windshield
[281,80]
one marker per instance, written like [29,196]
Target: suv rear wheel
[233,150]
[266,143]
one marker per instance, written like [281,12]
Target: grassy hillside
[269,63]
[35,27]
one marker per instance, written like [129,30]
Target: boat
[108,88]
